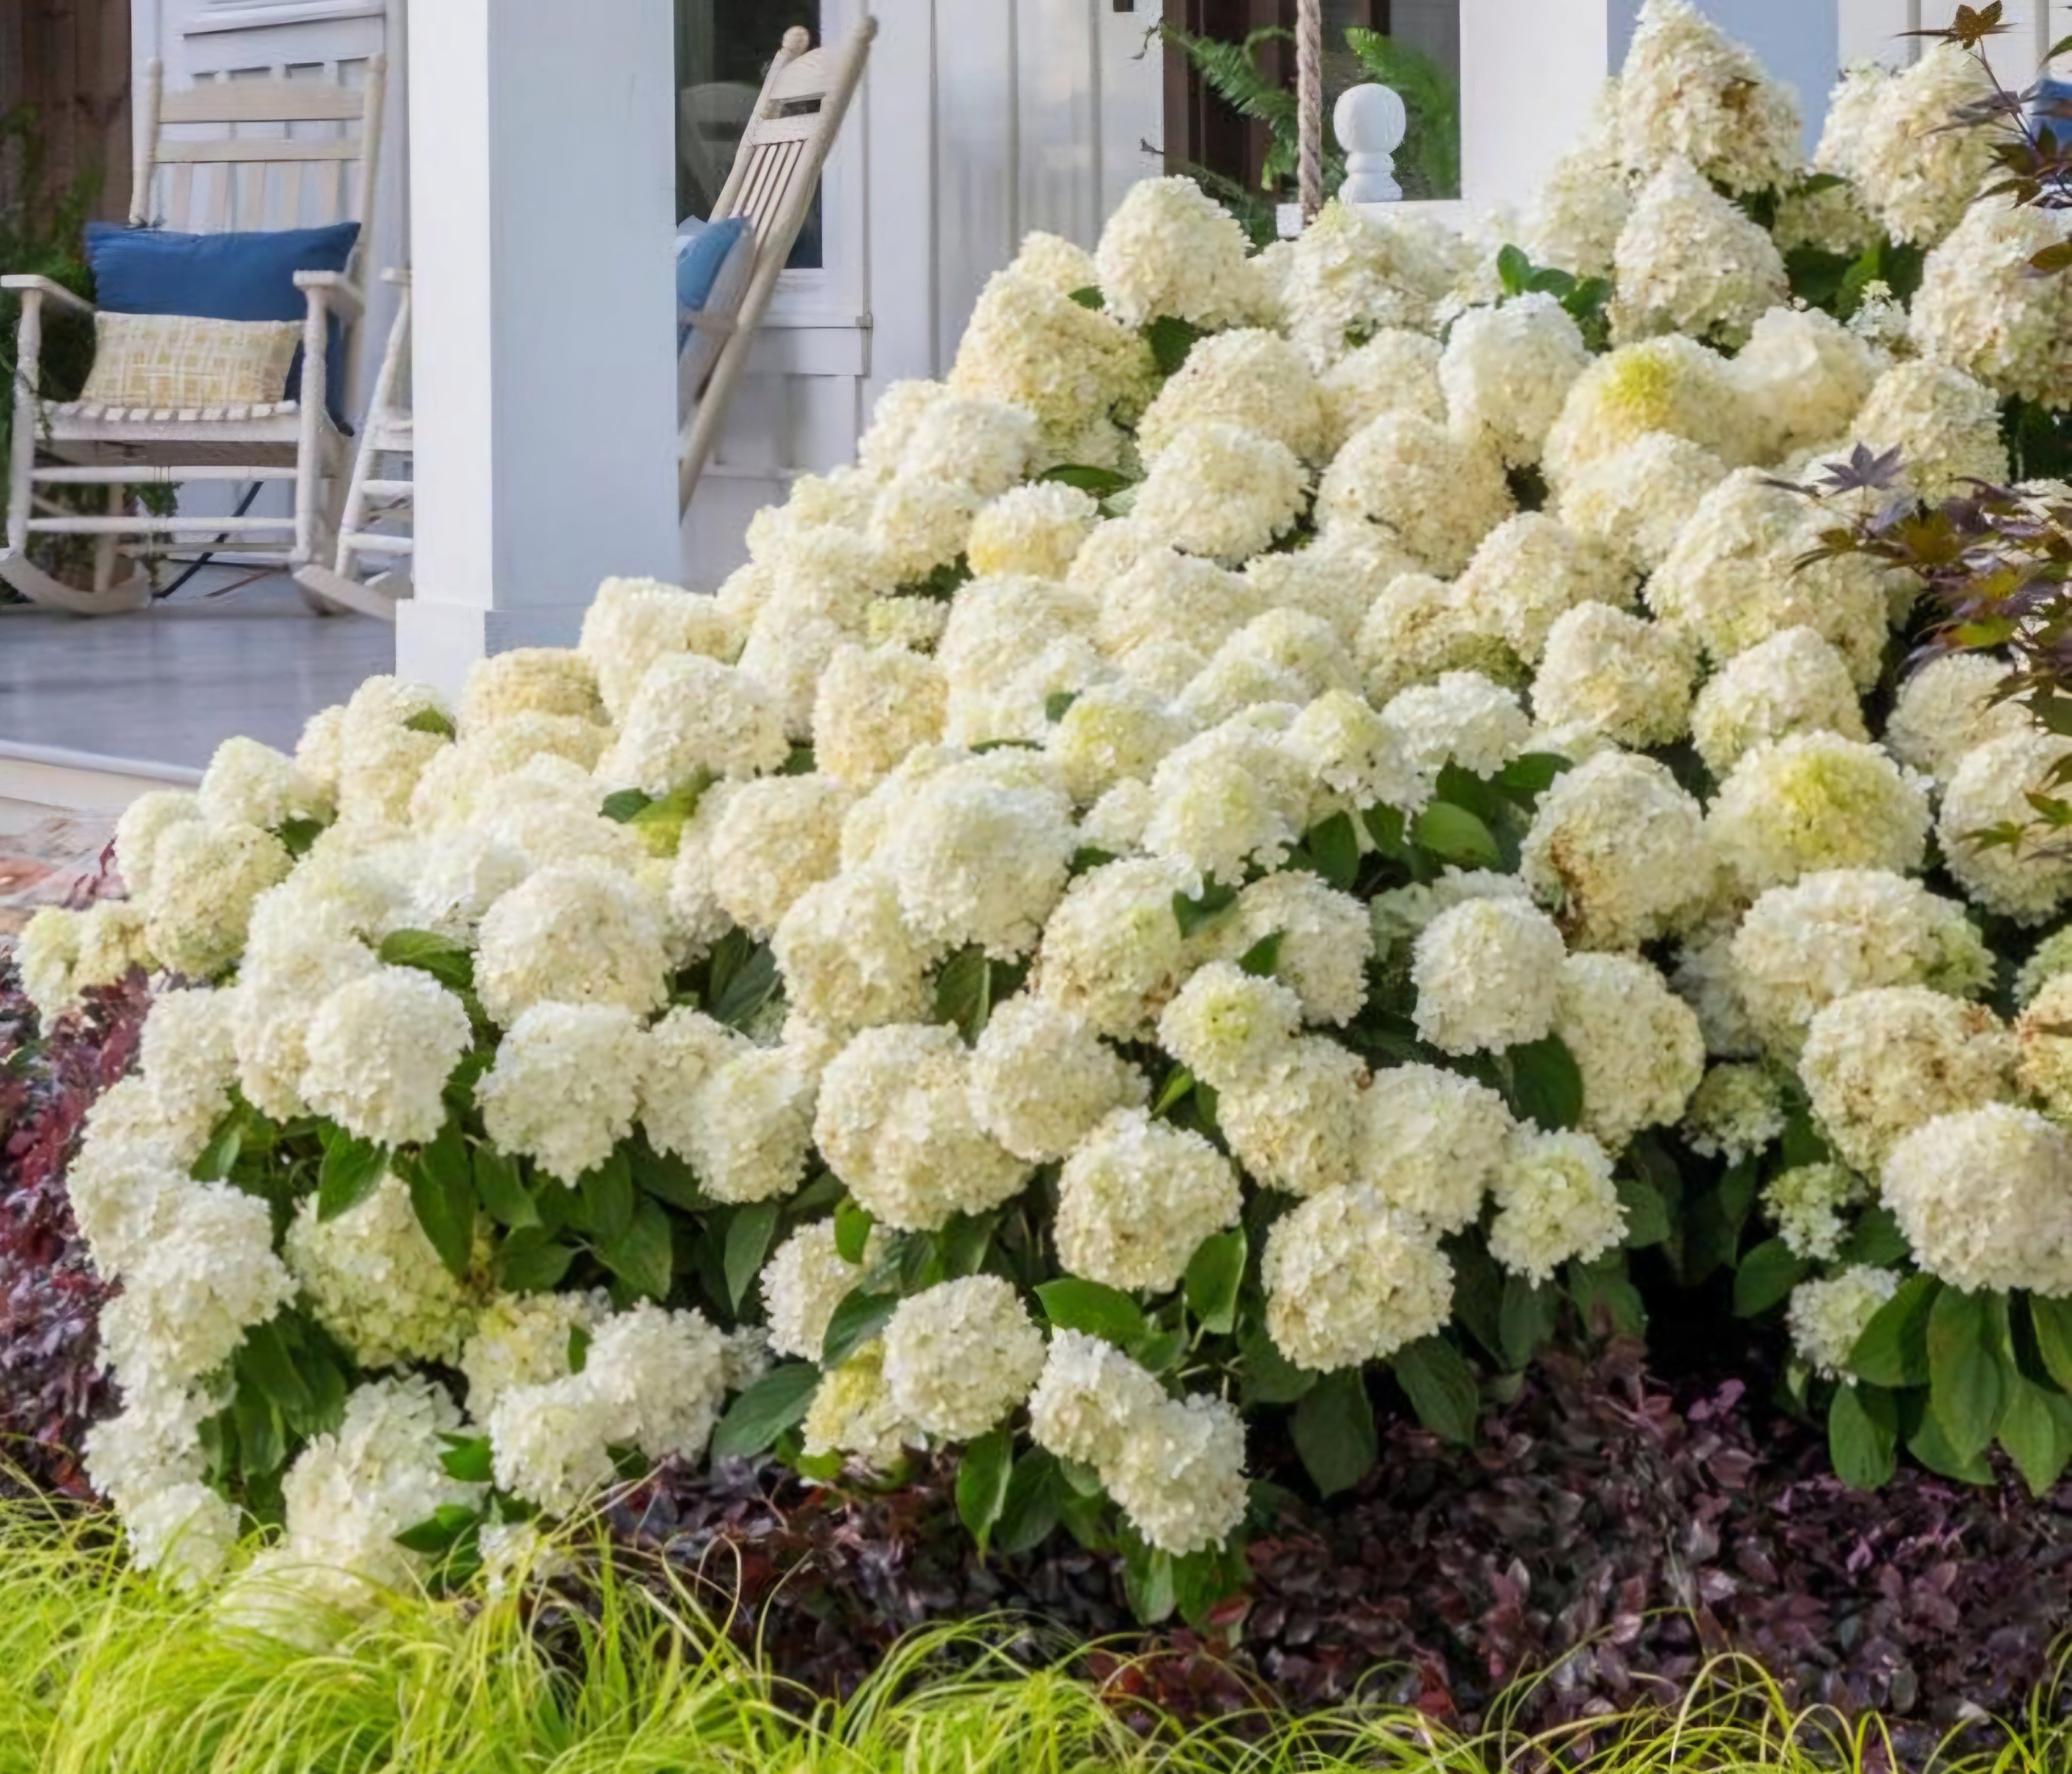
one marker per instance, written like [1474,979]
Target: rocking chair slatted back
[776,170]
[234,154]
[788,121]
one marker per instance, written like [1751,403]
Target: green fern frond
[1233,72]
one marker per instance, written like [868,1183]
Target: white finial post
[1371,123]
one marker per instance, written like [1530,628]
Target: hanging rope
[1309,102]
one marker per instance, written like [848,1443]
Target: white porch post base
[543,360]
[437,643]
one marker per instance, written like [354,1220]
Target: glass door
[724,50]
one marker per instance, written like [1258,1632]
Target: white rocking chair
[378,497]
[776,171]
[284,174]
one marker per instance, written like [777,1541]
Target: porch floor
[166,686]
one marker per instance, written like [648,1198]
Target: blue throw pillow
[2052,105]
[222,277]
[701,251]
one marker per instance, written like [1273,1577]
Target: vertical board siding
[1130,77]
[978,132]
[1058,117]
[1871,30]
[70,59]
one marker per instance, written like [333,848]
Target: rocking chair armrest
[47,287]
[332,289]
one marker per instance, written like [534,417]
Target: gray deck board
[169,685]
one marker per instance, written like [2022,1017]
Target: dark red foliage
[1603,1534]
[51,1389]
[1615,1537]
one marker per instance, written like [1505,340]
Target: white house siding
[1870,30]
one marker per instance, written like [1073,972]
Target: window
[724,50]
[1419,55]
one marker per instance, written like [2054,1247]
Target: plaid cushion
[165,360]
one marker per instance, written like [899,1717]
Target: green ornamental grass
[111,1673]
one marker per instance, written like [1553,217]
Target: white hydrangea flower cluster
[1615,674]
[1136,1199]
[1556,1202]
[961,1355]
[1733,578]
[1689,92]
[1877,1064]
[1736,1111]
[1815,802]
[1348,277]
[1637,1044]
[1488,973]
[1946,710]
[1889,135]
[652,1379]
[1985,1199]
[1828,1316]
[1799,948]
[2026,881]
[1408,474]
[1104,863]
[1610,848]
[1175,1465]
[894,1122]
[1350,1279]
[371,1277]
[1170,251]
[1983,309]
[1221,491]
[1794,682]
[1806,1203]
[349,1495]
[1690,262]
[2044,1061]
[1041,1079]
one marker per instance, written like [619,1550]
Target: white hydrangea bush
[1298,815]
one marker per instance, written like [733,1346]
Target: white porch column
[544,387]
[1531,69]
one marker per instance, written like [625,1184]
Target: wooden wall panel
[70,59]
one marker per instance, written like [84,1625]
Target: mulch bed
[1608,1535]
